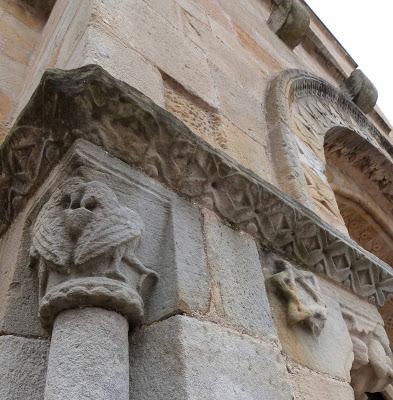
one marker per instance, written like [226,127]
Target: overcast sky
[365,29]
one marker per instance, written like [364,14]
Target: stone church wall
[215,261]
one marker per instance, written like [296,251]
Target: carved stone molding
[372,368]
[290,21]
[304,107]
[361,90]
[301,291]
[84,243]
[88,103]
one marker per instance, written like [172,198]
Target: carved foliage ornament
[84,243]
[109,113]
[300,290]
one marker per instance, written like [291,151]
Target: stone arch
[301,110]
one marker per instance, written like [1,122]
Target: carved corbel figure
[90,283]
[372,368]
[300,290]
[84,242]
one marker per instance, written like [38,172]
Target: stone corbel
[91,286]
[290,21]
[301,292]
[372,368]
[360,90]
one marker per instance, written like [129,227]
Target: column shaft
[88,356]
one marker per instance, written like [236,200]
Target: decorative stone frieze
[360,90]
[372,368]
[301,291]
[84,243]
[290,21]
[88,103]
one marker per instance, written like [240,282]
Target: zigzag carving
[88,103]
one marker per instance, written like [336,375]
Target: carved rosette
[84,244]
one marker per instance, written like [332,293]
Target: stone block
[237,282]
[143,29]
[18,284]
[308,385]
[307,349]
[22,368]
[125,64]
[240,106]
[183,358]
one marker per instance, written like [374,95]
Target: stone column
[91,287]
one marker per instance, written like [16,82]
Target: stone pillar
[91,286]
[88,357]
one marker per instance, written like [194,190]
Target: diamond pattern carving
[88,103]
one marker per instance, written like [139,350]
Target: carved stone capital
[361,90]
[372,368]
[300,290]
[84,243]
[290,21]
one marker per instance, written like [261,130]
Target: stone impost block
[290,21]
[183,358]
[361,90]
[22,368]
[238,285]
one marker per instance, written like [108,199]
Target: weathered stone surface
[185,358]
[308,385]
[147,137]
[88,356]
[372,368]
[164,46]
[361,90]
[301,291]
[18,284]
[98,47]
[172,243]
[22,368]
[315,352]
[290,21]
[83,244]
[238,292]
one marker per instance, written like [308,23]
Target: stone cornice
[88,103]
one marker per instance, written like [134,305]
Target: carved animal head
[300,289]
[83,220]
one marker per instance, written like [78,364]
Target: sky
[365,29]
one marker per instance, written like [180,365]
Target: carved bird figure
[83,229]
